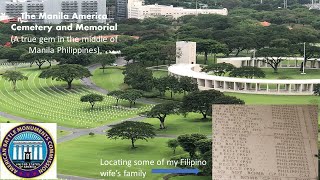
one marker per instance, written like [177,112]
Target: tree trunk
[103,69]
[132,143]
[171,94]
[204,115]
[14,85]
[205,57]
[162,123]
[69,84]
[130,104]
[275,69]
[117,102]
[92,104]
[238,51]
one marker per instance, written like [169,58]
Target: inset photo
[264,142]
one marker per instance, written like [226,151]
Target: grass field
[62,133]
[5,120]
[74,159]
[47,100]
[111,80]
[292,74]
[177,125]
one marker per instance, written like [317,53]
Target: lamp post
[304,58]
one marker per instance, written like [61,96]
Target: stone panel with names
[267,142]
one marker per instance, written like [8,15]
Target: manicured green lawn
[62,133]
[158,74]
[82,156]
[291,74]
[111,79]
[5,120]
[177,124]
[47,100]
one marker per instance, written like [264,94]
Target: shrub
[91,133]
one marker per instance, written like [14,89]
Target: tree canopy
[219,69]
[66,72]
[104,59]
[248,72]
[138,77]
[132,130]
[14,76]
[92,99]
[160,111]
[202,101]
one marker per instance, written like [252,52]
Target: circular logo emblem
[28,151]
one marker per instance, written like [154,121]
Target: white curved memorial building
[186,67]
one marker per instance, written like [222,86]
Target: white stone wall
[186,52]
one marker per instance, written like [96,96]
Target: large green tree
[116,94]
[273,56]
[66,72]
[13,77]
[200,101]
[138,77]
[209,46]
[248,72]
[173,85]
[92,99]
[188,84]
[161,111]
[104,60]
[11,54]
[189,142]
[173,144]
[131,95]
[132,130]
[161,85]
[219,69]
[38,59]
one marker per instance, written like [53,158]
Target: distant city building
[137,9]
[111,8]
[121,9]
[14,8]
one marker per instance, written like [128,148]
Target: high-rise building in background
[122,9]
[14,8]
[111,9]
[137,9]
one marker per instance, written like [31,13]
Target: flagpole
[304,58]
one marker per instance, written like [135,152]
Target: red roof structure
[265,23]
